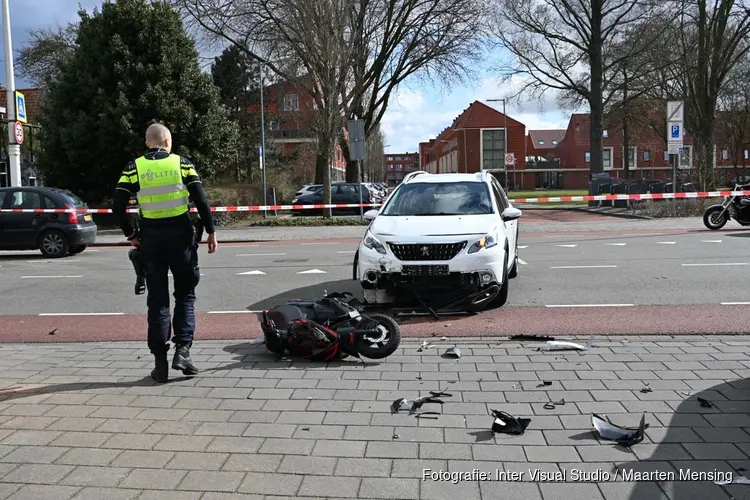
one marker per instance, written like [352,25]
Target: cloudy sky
[417,113]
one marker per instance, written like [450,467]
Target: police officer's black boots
[182,361]
[160,373]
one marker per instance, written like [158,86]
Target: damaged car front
[439,239]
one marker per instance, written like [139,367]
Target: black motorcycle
[329,329]
[716,216]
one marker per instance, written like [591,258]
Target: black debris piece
[538,338]
[705,403]
[551,405]
[412,405]
[624,436]
[508,424]
[52,332]
[545,383]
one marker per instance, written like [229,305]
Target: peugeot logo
[425,251]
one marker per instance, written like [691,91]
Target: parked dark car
[54,234]
[341,194]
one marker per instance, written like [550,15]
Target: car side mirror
[371,214]
[511,213]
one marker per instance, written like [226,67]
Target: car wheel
[502,297]
[53,244]
[77,249]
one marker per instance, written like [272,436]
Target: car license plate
[425,270]
[87,218]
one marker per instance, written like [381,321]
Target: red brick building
[398,165]
[290,111]
[476,140]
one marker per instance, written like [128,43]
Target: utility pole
[14,149]
[262,146]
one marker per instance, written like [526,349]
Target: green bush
[668,208]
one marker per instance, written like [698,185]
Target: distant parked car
[341,194]
[54,234]
[308,189]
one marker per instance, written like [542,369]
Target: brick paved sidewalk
[80,421]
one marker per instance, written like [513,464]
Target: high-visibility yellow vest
[162,193]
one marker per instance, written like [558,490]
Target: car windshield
[440,198]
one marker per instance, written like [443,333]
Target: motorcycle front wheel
[383,345]
[714,219]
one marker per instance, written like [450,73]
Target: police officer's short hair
[156,133]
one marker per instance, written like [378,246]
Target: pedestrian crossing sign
[20,108]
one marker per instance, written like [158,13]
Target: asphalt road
[567,283]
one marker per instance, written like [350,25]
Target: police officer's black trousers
[170,249]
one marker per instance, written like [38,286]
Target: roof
[546,139]
[426,177]
[33,100]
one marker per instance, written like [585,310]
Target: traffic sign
[356,129]
[510,159]
[675,111]
[21,107]
[18,132]
[675,131]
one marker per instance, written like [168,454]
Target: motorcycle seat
[284,316]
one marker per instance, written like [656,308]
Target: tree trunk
[704,156]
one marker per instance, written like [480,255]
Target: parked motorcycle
[716,216]
[328,329]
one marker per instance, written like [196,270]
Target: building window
[647,156]
[273,125]
[588,157]
[686,157]
[493,149]
[724,154]
[607,158]
[632,155]
[291,102]
[746,154]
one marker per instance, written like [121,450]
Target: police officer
[162,183]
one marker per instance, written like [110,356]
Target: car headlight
[372,243]
[487,241]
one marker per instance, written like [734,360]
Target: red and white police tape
[541,200]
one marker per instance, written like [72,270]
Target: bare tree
[575,48]
[733,128]
[306,43]
[374,150]
[715,37]
[40,60]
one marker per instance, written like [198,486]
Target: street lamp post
[14,149]
[263,146]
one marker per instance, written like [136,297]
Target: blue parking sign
[675,131]
[20,107]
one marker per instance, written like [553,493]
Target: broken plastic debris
[508,424]
[425,346]
[412,405]
[622,435]
[733,480]
[540,338]
[453,352]
[562,345]
[646,388]
[706,404]
[545,383]
[518,386]
[443,338]
[551,405]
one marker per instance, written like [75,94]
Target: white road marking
[521,261]
[250,273]
[711,241]
[50,261]
[523,246]
[617,244]
[82,314]
[347,251]
[234,312]
[567,246]
[312,271]
[735,303]
[48,277]
[591,305]
[666,242]
[717,264]
[581,267]
[258,254]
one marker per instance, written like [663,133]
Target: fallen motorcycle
[716,216]
[329,329]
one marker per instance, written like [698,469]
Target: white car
[441,235]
